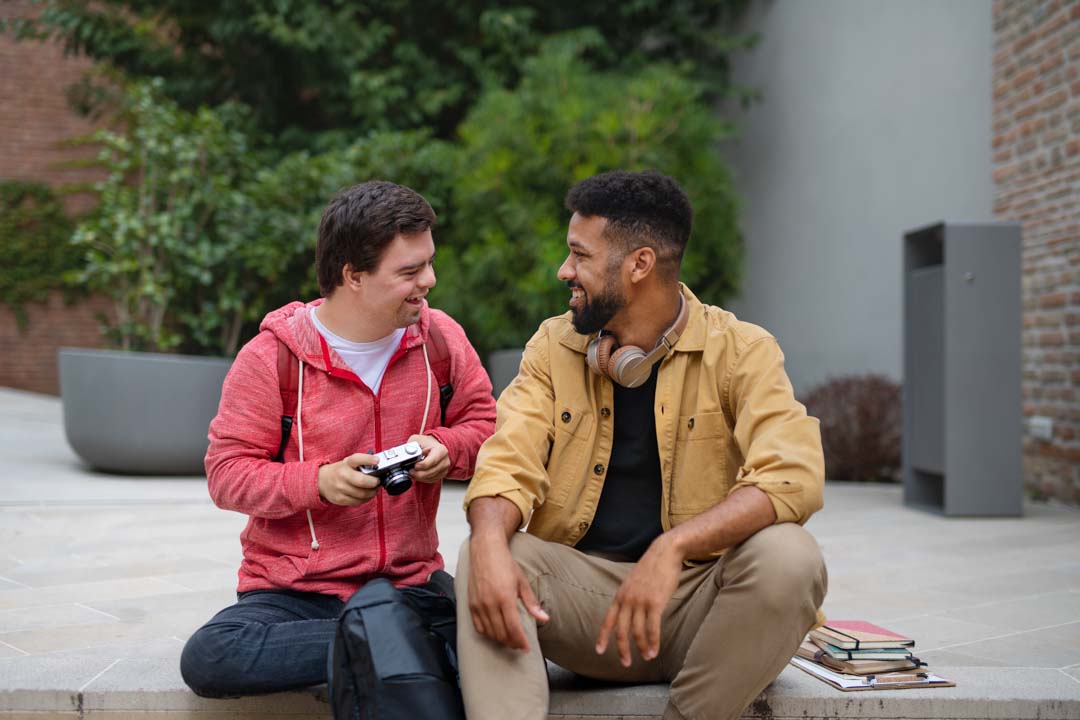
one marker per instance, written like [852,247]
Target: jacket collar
[691,340]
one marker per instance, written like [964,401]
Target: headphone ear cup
[600,353]
[625,366]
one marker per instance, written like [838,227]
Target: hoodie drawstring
[300,442]
[427,403]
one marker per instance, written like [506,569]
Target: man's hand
[342,483]
[640,602]
[495,584]
[436,462]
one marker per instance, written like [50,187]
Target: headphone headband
[629,365]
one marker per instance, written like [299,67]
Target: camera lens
[397,481]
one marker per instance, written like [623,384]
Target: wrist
[671,544]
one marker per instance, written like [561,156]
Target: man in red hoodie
[318,527]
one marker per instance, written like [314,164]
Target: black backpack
[394,654]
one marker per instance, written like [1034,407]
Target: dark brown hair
[360,222]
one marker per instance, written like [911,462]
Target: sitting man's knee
[785,563]
[206,663]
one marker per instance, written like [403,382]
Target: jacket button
[598,469]
[565,417]
[583,526]
[690,423]
[604,412]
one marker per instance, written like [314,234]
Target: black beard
[597,312]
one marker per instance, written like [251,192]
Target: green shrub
[34,251]
[520,151]
[160,242]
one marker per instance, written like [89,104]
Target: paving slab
[102,579]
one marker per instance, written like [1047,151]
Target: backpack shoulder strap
[289,382]
[439,355]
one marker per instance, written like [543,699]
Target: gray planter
[139,413]
[502,367]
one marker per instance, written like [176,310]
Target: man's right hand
[496,582]
[342,483]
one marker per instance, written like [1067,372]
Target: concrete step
[42,687]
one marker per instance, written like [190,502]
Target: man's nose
[566,271]
[427,278]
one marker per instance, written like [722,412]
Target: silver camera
[393,467]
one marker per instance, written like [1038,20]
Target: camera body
[393,467]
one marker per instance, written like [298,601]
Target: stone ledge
[130,689]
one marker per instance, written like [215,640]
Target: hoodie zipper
[381,525]
[381,565]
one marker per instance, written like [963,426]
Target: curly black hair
[642,209]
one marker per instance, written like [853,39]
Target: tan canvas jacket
[726,417]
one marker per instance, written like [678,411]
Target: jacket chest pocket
[569,450]
[702,478]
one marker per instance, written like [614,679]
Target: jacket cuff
[301,481]
[520,500]
[786,498]
[446,439]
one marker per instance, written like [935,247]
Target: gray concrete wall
[875,119]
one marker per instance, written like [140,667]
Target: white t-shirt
[368,360]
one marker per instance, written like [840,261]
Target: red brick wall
[28,356]
[1037,183]
[34,120]
[35,117]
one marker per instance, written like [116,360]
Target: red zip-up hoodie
[296,541]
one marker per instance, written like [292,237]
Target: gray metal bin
[962,403]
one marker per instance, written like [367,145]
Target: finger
[361,481]
[622,635]
[637,627]
[356,460]
[495,623]
[342,493]
[425,465]
[653,627]
[426,478]
[478,623]
[605,627]
[515,634]
[532,605]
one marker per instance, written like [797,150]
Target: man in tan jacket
[653,449]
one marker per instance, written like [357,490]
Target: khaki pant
[727,632]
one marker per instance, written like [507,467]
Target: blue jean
[270,640]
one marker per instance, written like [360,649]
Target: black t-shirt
[627,517]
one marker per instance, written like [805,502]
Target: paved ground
[102,578]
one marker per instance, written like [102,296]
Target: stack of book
[858,655]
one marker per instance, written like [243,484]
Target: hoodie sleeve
[470,416]
[244,437]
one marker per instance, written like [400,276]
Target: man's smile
[577,297]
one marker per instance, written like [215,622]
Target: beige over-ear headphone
[629,365]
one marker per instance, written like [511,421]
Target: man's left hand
[640,602]
[436,463]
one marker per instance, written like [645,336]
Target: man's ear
[642,263]
[351,278]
